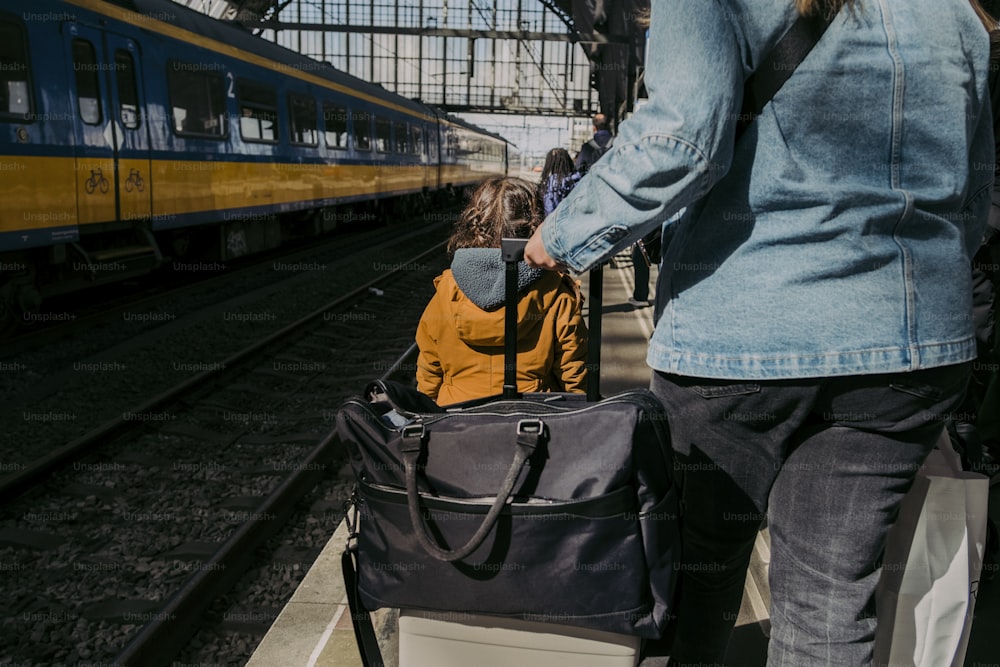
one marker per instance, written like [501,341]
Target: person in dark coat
[591,151]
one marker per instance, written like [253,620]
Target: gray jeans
[828,460]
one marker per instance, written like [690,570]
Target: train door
[112,137]
[135,191]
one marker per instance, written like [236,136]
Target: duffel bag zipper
[641,397]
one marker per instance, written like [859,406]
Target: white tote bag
[930,571]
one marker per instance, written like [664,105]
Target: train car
[136,131]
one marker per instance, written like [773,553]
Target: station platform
[314,629]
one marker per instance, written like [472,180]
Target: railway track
[183,280]
[131,530]
[62,391]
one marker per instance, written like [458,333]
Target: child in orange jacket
[460,334]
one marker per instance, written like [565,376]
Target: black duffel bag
[547,510]
[546,507]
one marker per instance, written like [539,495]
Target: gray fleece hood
[479,273]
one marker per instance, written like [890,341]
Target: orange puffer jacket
[461,345]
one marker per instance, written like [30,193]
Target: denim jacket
[835,238]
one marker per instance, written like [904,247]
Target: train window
[198,99]
[305,128]
[417,145]
[363,131]
[402,138]
[88,91]
[433,146]
[335,118]
[258,112]
[15,98]
[383,134]
[128,91]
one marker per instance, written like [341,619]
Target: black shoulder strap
[779,64]
[364,630]
[993,222]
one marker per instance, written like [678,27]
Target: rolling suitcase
[438,639]
[542,525]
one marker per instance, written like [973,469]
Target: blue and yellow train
[136,130]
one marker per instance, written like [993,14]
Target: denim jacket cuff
[553,245]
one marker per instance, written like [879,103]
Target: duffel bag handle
[529,431]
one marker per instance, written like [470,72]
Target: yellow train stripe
[189,187]
[44,192]
[38,192]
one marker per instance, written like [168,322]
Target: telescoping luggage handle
[529,432]
[513,252]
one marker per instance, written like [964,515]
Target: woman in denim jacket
[814,311]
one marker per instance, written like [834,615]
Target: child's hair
[499,207]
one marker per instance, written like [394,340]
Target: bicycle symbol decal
[96,181]
[134,180]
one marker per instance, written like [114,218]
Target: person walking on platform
[645,253]
[460,334]
[815,302]
[558,179]
[597,146]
